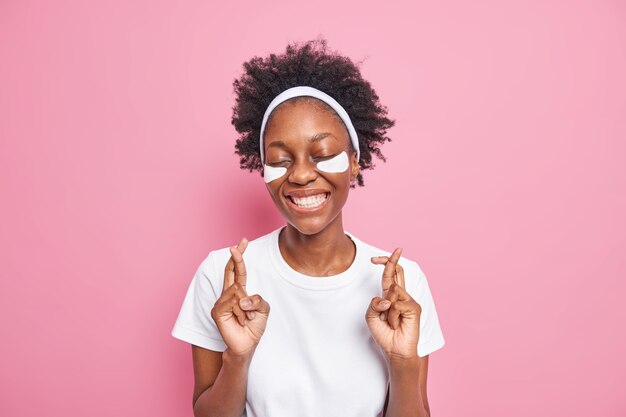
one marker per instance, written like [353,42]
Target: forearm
[227,396]
[405,394]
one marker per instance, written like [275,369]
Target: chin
[309,226]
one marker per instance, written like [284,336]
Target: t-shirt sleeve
[194,323]
[431,336]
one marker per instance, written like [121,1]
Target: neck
[328,252]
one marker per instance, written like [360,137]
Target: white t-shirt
[317,357]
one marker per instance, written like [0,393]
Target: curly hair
[311,64]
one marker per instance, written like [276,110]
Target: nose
[302,172]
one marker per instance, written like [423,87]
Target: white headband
[303,90]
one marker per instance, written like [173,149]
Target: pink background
[505,180]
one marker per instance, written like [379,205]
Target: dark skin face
[299,134]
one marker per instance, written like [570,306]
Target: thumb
[377,306]
[257,303]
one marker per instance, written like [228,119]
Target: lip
[306,193]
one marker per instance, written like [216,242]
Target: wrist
[395,361]
[241,359]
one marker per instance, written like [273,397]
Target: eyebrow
[315,138]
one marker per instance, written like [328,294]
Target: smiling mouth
[309,203]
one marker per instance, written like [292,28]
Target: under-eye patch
[335,164]
[273,173]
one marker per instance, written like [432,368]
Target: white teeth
[309,202]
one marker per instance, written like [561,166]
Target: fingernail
[245,303]
[385,303]
[383,316]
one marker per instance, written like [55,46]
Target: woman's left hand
[394,318]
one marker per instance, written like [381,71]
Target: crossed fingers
[395,299]
[235,270]
[235,279]
[393,272]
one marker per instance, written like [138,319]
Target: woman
[350,326]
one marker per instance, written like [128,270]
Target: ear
[354,166]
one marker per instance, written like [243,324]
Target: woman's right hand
[240,325]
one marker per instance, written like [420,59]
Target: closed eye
[324,158]
[278,163]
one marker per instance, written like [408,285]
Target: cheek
[338,164]
[274,191]
[341,185]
